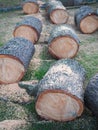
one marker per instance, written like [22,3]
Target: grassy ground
[40,63]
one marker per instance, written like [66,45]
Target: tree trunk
[15,57]
[91,95]
[57,12]
[30,6]
[29,28]
[63,42]
[86,19]
[60,93]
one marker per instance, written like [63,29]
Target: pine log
[91,95]
[86,19]
[15,57]
[57,12]
[30,6]
[29,28]
[60,93]
[63,42]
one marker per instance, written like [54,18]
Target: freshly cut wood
[60,93]
[57,12]
[30,6]
[29,28]
[63,42]
[91,95]
[15,57]
[86,19]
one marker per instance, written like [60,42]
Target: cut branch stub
[63,42]
[29,28]
[60,93]
[15,57]
[91,95]
[30,6]
[86,19]
[57,12]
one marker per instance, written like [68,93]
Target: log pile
[63,42]
[29,28]
[91,95]
[86,20]
[30,6]
[60,92]
[15,57]
[57,12]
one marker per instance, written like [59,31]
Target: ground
[40,63]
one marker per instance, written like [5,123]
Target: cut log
[15,57]
[30,6]
[60,93]
[63,42]
[91,95]
[57,12]
[86,20]
[29,28]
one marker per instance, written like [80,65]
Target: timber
[60,93]
[30,6]
[29,28]
[86,20]
[91,95]
[63,42]
[15,57]
[57,12]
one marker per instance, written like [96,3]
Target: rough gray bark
[67,75]
[19,48]
[63,30]
[32,22]
[91,95]
[32,1]
[81,13]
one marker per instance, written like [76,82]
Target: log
[91,95]
[86,20]
[30,6]
[60,93]
[15,57]
[29,28]
[63,42]
[57,12]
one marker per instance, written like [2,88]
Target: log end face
[26,32]
[30,8]
[11,69]
[58,105]
[63,47]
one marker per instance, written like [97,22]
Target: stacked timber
[86,19]
[91,95]
[29,28]
[57,12]
[63,42]
[15,57]
[30,6]
[60,92]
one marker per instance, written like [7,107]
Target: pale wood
[89,24]
[63,47]
[59,16]
[26,32]
[11,69]
[30,8]
[61,106]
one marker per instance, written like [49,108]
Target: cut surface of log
[91,95]
[30,6]
[57,12]
[29,28]
[15,57]
[86,19]
[63,42]
[60,93]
